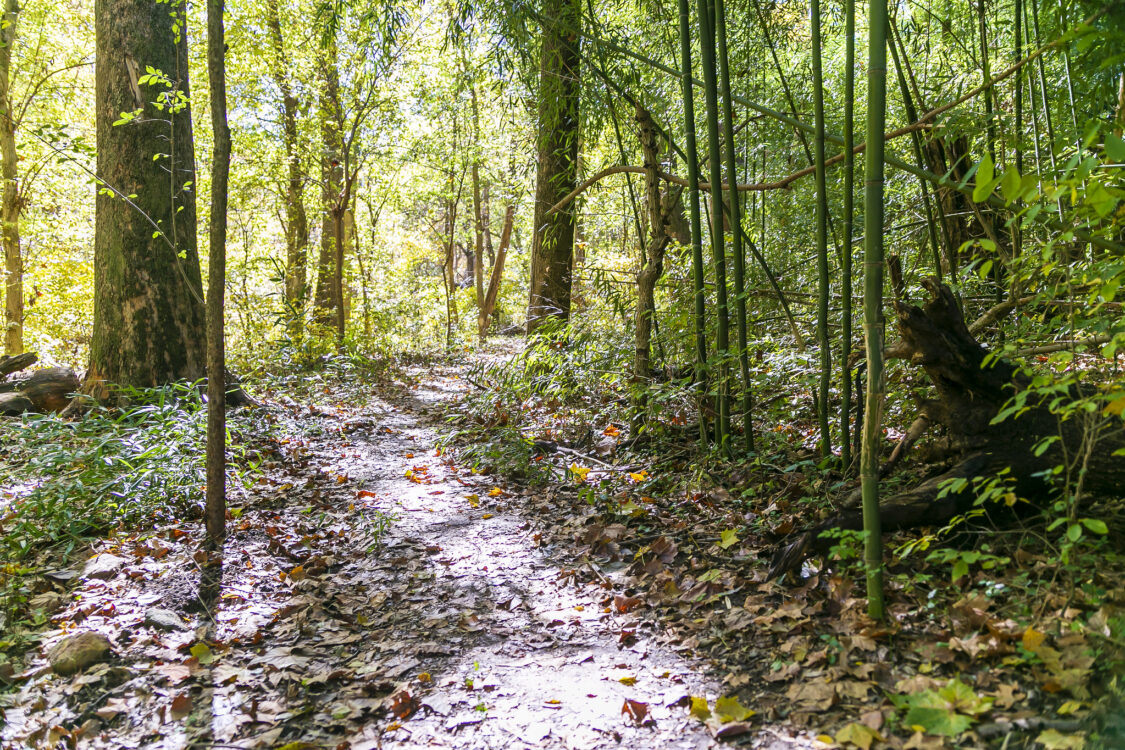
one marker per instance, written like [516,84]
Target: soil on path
[374,594]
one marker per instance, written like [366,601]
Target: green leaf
[1114,147]
[202,652]
[944,721]
[1011,185]
[960,569]
[728,537]
[1095,525]
[985,170]
[1074,532]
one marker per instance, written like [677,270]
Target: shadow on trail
[456,631]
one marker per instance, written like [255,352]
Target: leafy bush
[130,465]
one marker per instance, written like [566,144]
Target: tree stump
[971,388]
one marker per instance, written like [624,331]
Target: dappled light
[570,375]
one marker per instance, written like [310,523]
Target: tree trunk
[148,302]
[331,175]
[494,280]
[552,250]
[297,222]
[216,502]
[10,201]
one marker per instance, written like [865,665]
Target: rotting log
[970,390]
[15,363]
[47,390]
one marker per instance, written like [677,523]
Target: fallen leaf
[728,709]
[699,708]
[403,704]
[181,706]
[1053,739]
[858,734]
[635,710]
[202,653]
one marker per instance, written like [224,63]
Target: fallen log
[971,388]
[44,390]
[17,362]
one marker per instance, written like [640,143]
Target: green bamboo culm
[692,154]
[849,220]
[873,302]
[822,341]
[705,11]
[734,213]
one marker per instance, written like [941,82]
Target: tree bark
[297,222]
[331,176]
[552,251]
[497,275]
[148,302]
[216,502]
[10,202]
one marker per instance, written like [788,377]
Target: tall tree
[823,289]
[873,301]
[706,14]
[215,514]
[692,153]
[148,306]
[734,203]
[10,197]
[331,179]
[849,219]
[296,220]
[552,249]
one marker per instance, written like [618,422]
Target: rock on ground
[76,652]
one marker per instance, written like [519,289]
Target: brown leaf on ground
[635,710]
[403,704]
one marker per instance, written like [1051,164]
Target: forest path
[455,629]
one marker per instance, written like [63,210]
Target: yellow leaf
[630,681]
[638,476]
[699,708]
[611,431]
[474,501]
[1053,739]
[858,734]
[495,492]
[202,652]
[1033,639]
[486,516]
[425,677]
[1069,707]
[729,709]
[579,472]
[1116,407]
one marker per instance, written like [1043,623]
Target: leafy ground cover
[1008,636]
[488,555]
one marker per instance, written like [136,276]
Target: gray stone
[76,652]
[165,619]
[103,566]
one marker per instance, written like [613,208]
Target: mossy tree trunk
[297,222]
[148,301]
[10,201]
[552,250]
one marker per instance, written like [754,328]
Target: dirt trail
[458,630]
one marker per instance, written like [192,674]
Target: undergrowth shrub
[131,465]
